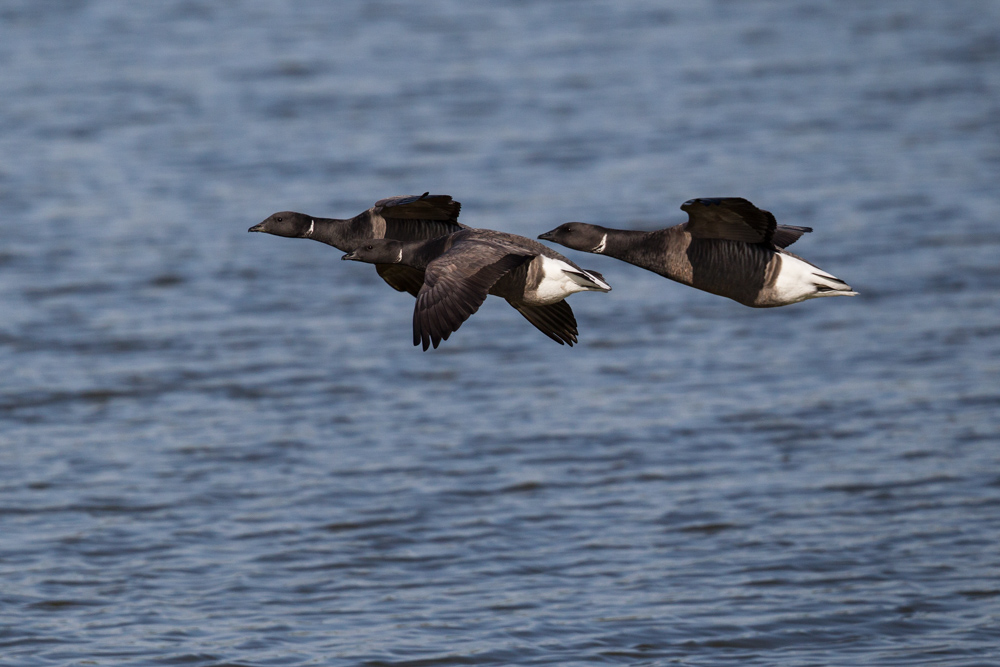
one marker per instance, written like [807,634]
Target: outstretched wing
[455,286]
[786,235]
[555,320]
[401,278]
[415,218]
[731,218]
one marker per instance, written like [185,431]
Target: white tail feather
[589,280]
[560,279]
[799,280]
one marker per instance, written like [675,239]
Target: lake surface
[219,448]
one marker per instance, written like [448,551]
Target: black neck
[331,231]
[421,253]
[620,243]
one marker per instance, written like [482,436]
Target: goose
[462,268]
[405,218]
[728,247]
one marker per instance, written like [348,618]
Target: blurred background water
[221,449]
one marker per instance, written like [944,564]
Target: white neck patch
[399,257]
[600,246]
[312,228]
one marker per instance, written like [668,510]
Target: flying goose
[405,218]
[727,247]
[462,268]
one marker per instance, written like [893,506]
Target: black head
[377,251]
[578,236]
[287,223]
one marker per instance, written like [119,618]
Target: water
[221,449]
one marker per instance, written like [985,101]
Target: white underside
[798,280]
[560,280]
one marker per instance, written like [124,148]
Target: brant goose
[727,247]
[407,218]
[462,268]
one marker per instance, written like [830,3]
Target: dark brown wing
[415,218]
[401,278]
[555,320]
[731,218]
[419,207]
[455,286]
[786,235]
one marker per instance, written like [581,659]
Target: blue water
[219,448]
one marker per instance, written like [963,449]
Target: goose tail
[589,280]
[828,285]
[798,280]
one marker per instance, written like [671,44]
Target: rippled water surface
[222,449]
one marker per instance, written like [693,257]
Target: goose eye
[371,247]
[278,219]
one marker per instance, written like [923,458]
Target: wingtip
[704,201]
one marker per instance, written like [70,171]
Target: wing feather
[554,320]
[415,218]
[419,207]
[401,278]
[455,286]
[786,235]
[731,218]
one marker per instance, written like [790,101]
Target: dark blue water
[221,449]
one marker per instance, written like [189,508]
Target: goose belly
[552,280]
[798,280]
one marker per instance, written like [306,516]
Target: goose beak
[349,255]
[259,227]
[547,236]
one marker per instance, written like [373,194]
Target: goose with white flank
[405,218]
[728,247]
[461,269]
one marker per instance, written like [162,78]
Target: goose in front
[728,247]
[461,269]
[405,218]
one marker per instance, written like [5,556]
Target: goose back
[459,271]
[733,269]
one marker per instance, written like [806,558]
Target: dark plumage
[461,269]
[406,218]
[727,247]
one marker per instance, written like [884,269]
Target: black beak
[259,227]
[349,255]
[547,236]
